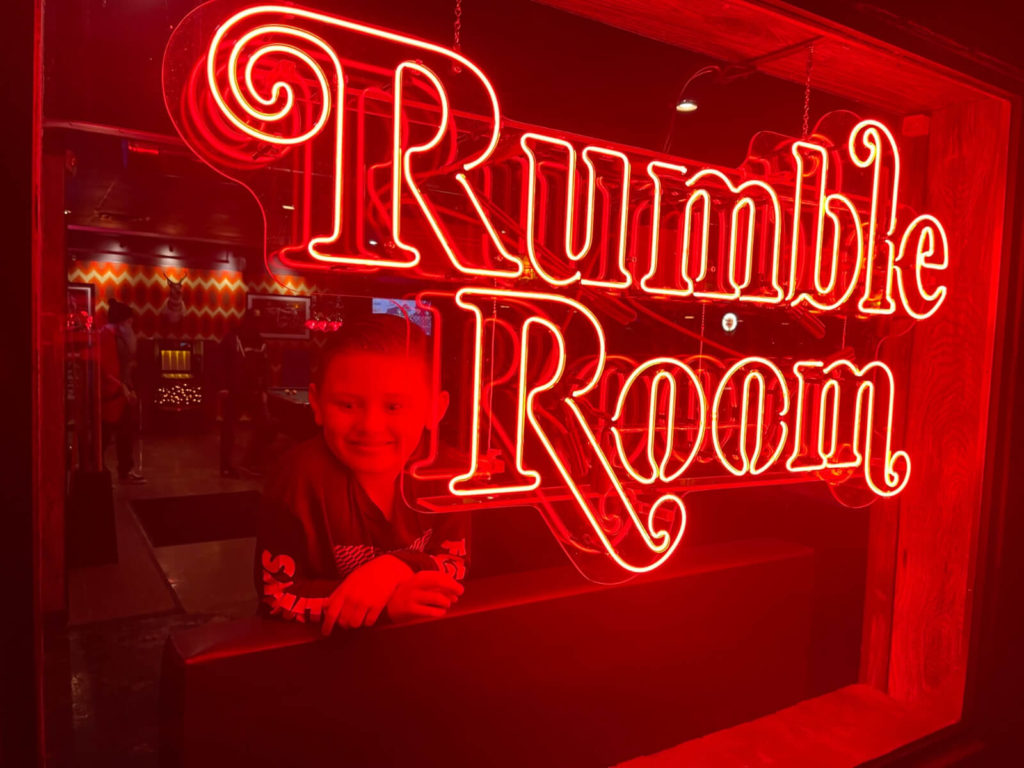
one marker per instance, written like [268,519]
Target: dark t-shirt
[317,525]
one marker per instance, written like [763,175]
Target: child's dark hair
[384,334]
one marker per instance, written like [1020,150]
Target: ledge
[846,727]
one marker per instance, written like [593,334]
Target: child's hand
[360,598]
[426,593]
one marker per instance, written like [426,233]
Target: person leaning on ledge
[336,542]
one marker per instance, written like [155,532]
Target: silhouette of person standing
[246,377]
[119,405]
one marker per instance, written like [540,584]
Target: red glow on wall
[213,301]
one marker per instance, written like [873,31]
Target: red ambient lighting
[323,325]
[142,149]
[400,161]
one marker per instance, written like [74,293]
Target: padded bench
[530,669]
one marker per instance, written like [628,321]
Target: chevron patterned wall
[214,300]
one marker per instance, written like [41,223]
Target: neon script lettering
[667,414]
[375,152]
[273,79]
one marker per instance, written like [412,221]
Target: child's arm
[406,583]
[364,594]
[426,594]
[449,546]
[284,580]
[448,550]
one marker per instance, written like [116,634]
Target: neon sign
[373,152]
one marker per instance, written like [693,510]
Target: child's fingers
[353,614]
[439,580]
[334,607]
[373,614]
[426,610]
[433,598]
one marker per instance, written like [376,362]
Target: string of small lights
[179,396]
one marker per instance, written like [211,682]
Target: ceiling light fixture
[723,74]
[686,103]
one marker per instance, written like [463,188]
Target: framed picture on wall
[81,306]
[279,317]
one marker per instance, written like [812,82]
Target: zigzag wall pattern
[213,300]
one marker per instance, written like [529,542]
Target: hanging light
[686,103]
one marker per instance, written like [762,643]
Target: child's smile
[373,407]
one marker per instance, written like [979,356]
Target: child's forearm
[302,600]
[284,594]
[453,558]
[417,561]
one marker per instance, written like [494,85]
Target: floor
[103,667]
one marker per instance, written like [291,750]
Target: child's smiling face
[373,407]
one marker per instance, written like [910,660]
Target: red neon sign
[372,151]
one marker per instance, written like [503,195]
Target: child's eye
[345,405]
[392,407]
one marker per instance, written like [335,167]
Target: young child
[337,544]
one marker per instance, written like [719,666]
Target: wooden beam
[846,63]
[946,425]
[49,354]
